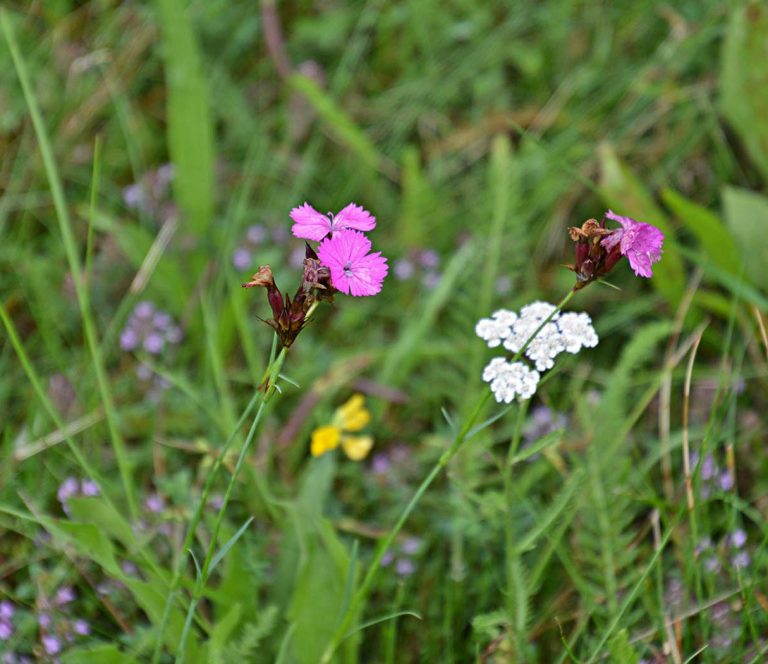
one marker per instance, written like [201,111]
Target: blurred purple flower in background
[255,236]
[740,560]
[542,421]
[150,329]
[738,538]
[51,644]
[64,595]
[71,487]
[155,503]
[421,264]
[81,627]
[7,611]
[150,194]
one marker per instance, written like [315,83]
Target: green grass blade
[190,132]
[73,259]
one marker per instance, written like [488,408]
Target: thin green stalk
[75,267]
[202,579]
[373,569]
[197,516]
[517,595]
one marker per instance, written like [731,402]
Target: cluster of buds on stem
[593,260]
[289,316]
[598,248]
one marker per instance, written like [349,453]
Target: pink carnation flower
[354,271]
[639,242]
[310,224]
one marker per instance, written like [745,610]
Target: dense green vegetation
[158,499]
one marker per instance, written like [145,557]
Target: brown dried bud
[593,260]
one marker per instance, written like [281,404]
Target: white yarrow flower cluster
[510,379]
[568,332]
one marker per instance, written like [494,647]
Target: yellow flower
[350,417]
[324,439]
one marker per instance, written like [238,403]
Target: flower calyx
[593,260]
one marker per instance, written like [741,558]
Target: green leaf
[341,125]
[623,191]
[746,214]
[229,544]
[222,632]
[99,653]
[552,438]
[190,134]
[150,596]
[744,80]
[318,594]
[559,504]
[710,232]
[621,649]
[100,513]
[88,540]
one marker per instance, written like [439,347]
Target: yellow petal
[356,447]
[324,439]
[353,415]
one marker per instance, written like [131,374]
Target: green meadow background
[619,516]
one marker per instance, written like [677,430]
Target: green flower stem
[373,569]
[515,581]
[269,380]
[202,578]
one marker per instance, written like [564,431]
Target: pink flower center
[348,270]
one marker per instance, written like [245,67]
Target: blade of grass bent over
[75,267]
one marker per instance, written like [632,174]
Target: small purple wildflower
[726,480]
[6,629]
[155,503]
[241,258]
[405,567]
[738,538]
[129,568]
[149,193]
[429,259]
[44,620]
[708,468]
[705,543]
[639,242]
[67,489]
[431,280]
[403,269]
[542,421]
[387,558]
[255,236]
[149,328]
[89,488]
[380,464]
[296,258]
[81,627]
[51,644]
[740,560]
[712,565]
[64,595]
[7,610]
[411,545]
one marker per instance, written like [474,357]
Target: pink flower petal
[354,271]
[354,217]
[640,242]
[310,224]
